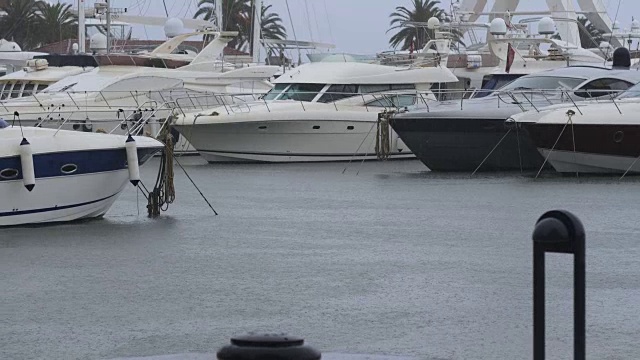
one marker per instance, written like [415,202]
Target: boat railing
[336,101]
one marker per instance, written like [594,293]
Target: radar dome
[546,26]
[75,47]
[173,27]
[98,42]
[8,46]
[635,26]
[498,27]
[433,23]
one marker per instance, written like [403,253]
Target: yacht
[323,111]
[50,175]
[591,138]
[118,92]
[478,134]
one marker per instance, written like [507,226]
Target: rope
[164,192]
[383,136]
[491,152]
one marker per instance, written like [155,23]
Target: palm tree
[411,36]
[593,32]
[55,23]
[270,27]
[589,39]
[19,23]
[234,17]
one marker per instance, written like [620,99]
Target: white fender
[132,161]
[26,160]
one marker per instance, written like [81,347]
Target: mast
[255,38]
[219,15]
[81,28]
[108,26]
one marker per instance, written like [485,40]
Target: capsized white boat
[49,175]
[316,112]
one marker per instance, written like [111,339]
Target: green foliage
[237,16]
[32,23]
[420,11]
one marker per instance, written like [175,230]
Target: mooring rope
[491,152]
[383,141]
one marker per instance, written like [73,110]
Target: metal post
[559,231]
[108,26]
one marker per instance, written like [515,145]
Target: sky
[354,26]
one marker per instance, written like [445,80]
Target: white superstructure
[316,112]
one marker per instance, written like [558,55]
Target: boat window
[338,92]
[302,92]
[367,89]
[277,90]
[15,92]
[393,101]
[543,83]
[602,87]
[6,91]
[495,82]
[2,86]
[28,89]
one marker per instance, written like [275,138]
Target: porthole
[350,127]
[618,136]
[69,169]
[316,127]
[9,174]
[262,127]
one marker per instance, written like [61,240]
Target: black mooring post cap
[267,346]
[558,226]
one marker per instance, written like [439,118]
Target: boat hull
[88,192]
[595,149]
[446,144]
[289,141]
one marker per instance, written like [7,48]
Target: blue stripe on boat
[55,208]
[87,162]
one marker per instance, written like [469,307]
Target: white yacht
[120,91]
[316,112]
[49,175]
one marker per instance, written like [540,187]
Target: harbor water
[385,259]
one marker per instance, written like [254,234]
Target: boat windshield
[631,93]
[276,91]
[302,92]
[543,83]
[490,83]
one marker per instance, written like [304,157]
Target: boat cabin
[331,82]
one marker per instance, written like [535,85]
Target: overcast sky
[355,26]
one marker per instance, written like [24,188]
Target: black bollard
[559,231]
[267,347]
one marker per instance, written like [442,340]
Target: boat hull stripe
[55,208]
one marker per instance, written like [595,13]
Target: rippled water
[383,259]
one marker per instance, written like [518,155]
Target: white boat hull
[55,200]
[70,175]
[588,163]
[303,140]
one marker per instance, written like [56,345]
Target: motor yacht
[477,135]
[50,175]
[590,138]
[119,92]
[323,111]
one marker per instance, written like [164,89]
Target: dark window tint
[338,92]
[603,87]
